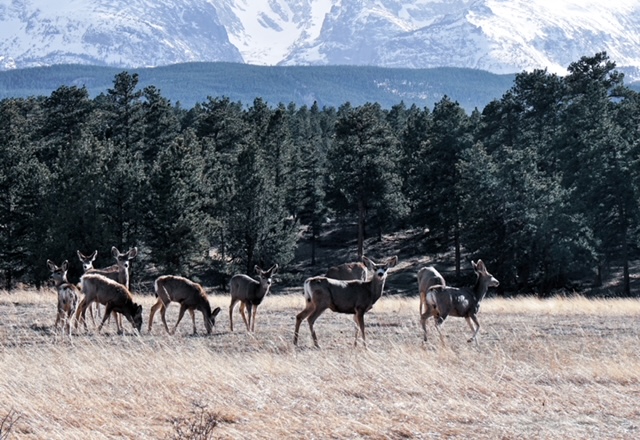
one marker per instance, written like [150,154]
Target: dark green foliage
[365,178]
[175,222]
[24,186]
[542,184]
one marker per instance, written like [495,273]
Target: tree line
[541,183]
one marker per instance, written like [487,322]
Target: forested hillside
[542,183]
[329,86]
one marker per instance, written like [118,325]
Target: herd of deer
[351,288]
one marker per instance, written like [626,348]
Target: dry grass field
[562,368]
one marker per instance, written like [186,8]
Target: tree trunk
[456,237]
[360,228]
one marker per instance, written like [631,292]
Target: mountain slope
[114,33]
[331,86]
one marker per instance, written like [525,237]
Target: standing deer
[190,295]
[427,277]
[250,293]
[354,297]
[348,271]
[68,294]
[118,272]
[461,302]
[113,295]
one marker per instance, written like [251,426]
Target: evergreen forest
[542,183]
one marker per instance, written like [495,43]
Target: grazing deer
[250,293]
[464,302]
[348,271]
[427,277]
[118,272]
[68,294]
[190,295]
[113,295]
[353,297]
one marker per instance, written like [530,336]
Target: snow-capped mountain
[500,36]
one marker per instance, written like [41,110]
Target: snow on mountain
[111,32]
[501,36]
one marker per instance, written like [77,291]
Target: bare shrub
[7,423]
[198,425]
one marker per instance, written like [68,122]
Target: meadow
[559,368]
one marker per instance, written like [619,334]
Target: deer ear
[392,261]
[114,251]
[257,269]
[273,269]
[65,265]
[367,262]
[133,252]
[94,255]
[51,265]
[215,312]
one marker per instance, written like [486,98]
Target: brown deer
[118,272]
[348,271]
[68,294]
[250,293]
[113,295]
[442,302]
[427,277]
[354,297]
[190,295]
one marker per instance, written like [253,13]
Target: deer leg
[60,312]
[439,322]
[80,313]
[253,322]
[244,318]
[423,319]
[474,330]
[301,317]
[311,319]
[107,313]
[183,309]
[193,320]
[163,316]
[359,319]
[233,303]
[154,309]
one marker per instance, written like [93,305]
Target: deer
[250,293]
[68,294]
[442,302]
[118,272]
[190,295]
[113,295]
[427,277]
[348,271]
[354,297]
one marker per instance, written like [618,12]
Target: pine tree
[363,163]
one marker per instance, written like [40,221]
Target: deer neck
[123,276]
[377,286]
[480,288]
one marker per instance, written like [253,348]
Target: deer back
[182,290]
[429,276]
[248,290]
[340,296]
[101,289]
[452,301]
[244,287]
[348,271]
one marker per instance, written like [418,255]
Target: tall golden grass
[562,368]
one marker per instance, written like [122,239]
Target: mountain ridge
[331,86]
[499,36]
